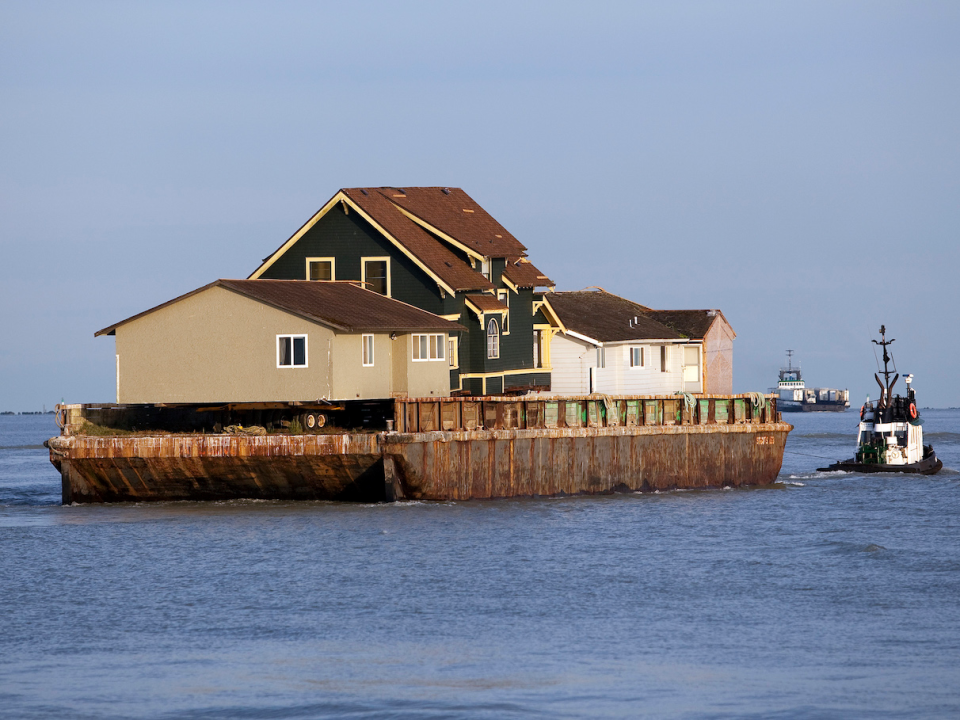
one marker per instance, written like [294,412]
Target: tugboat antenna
[886,360]
[789,359]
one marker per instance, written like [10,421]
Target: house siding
[219,346]
[347,238]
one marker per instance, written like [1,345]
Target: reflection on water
[826,595]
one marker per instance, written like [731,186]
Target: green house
[436,249]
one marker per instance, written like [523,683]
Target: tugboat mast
[789,359]
[886,386]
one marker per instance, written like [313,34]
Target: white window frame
[504,297]
[435,353]
[306,350]
[664,358]
[485,268]
[637,353]
[688,367]
[493,353]
[367,358]
[363,270]
[333,266]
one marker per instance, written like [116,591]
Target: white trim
[363,269]
[292,337]
[331,260]
[440,345]
[578,336]
[364,355]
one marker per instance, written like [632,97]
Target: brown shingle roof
[433,253]
[486,303]
[522,273]
[691,323]
[342,306]
[607,317]
[456,214]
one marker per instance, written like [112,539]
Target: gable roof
[522,273]
[692,323]
[606,317]
[343,306]
[424,223]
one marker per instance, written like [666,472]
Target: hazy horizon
[795,165]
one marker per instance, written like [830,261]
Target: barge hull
[457,465]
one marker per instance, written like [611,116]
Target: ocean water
[824,596]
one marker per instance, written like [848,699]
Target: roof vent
[364,191]
[445,191]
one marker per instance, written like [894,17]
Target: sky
[794,164]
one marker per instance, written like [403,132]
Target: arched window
[493,339]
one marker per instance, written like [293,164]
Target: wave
[22,447]
[944,436]
[824,436]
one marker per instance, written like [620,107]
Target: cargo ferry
[795,396]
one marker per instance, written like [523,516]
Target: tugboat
[891,432]
[794,396]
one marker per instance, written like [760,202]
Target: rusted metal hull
[218,467]
[456,465]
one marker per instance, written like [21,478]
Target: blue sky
[796,165]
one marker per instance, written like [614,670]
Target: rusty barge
[431,449]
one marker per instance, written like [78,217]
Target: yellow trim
[371,258]
[528,371]
[553,317]
[476,311]
[509,284]
[342,197]
[506,315]
[297,235]
[452,317]
[436,231]
[331,260]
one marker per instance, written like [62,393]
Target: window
[428,347]
[453,352]
[636,357]
[493,339]
[291,351]
[601,357]
[504,297]
[663,358]
[691,364]
[485,268]
[366,342]
[320,268]
[538,348]
[376,274]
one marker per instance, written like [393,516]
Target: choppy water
[828,595]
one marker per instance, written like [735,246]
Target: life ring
[913,411]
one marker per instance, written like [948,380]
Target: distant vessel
[797,397]
[890,438]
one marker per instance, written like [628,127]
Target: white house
[608,344]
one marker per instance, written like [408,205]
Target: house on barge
[436,249]
[280,341]
[608,344]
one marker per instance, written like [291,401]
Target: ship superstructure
[890,435]
[795,396]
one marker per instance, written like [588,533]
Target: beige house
[281,341]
